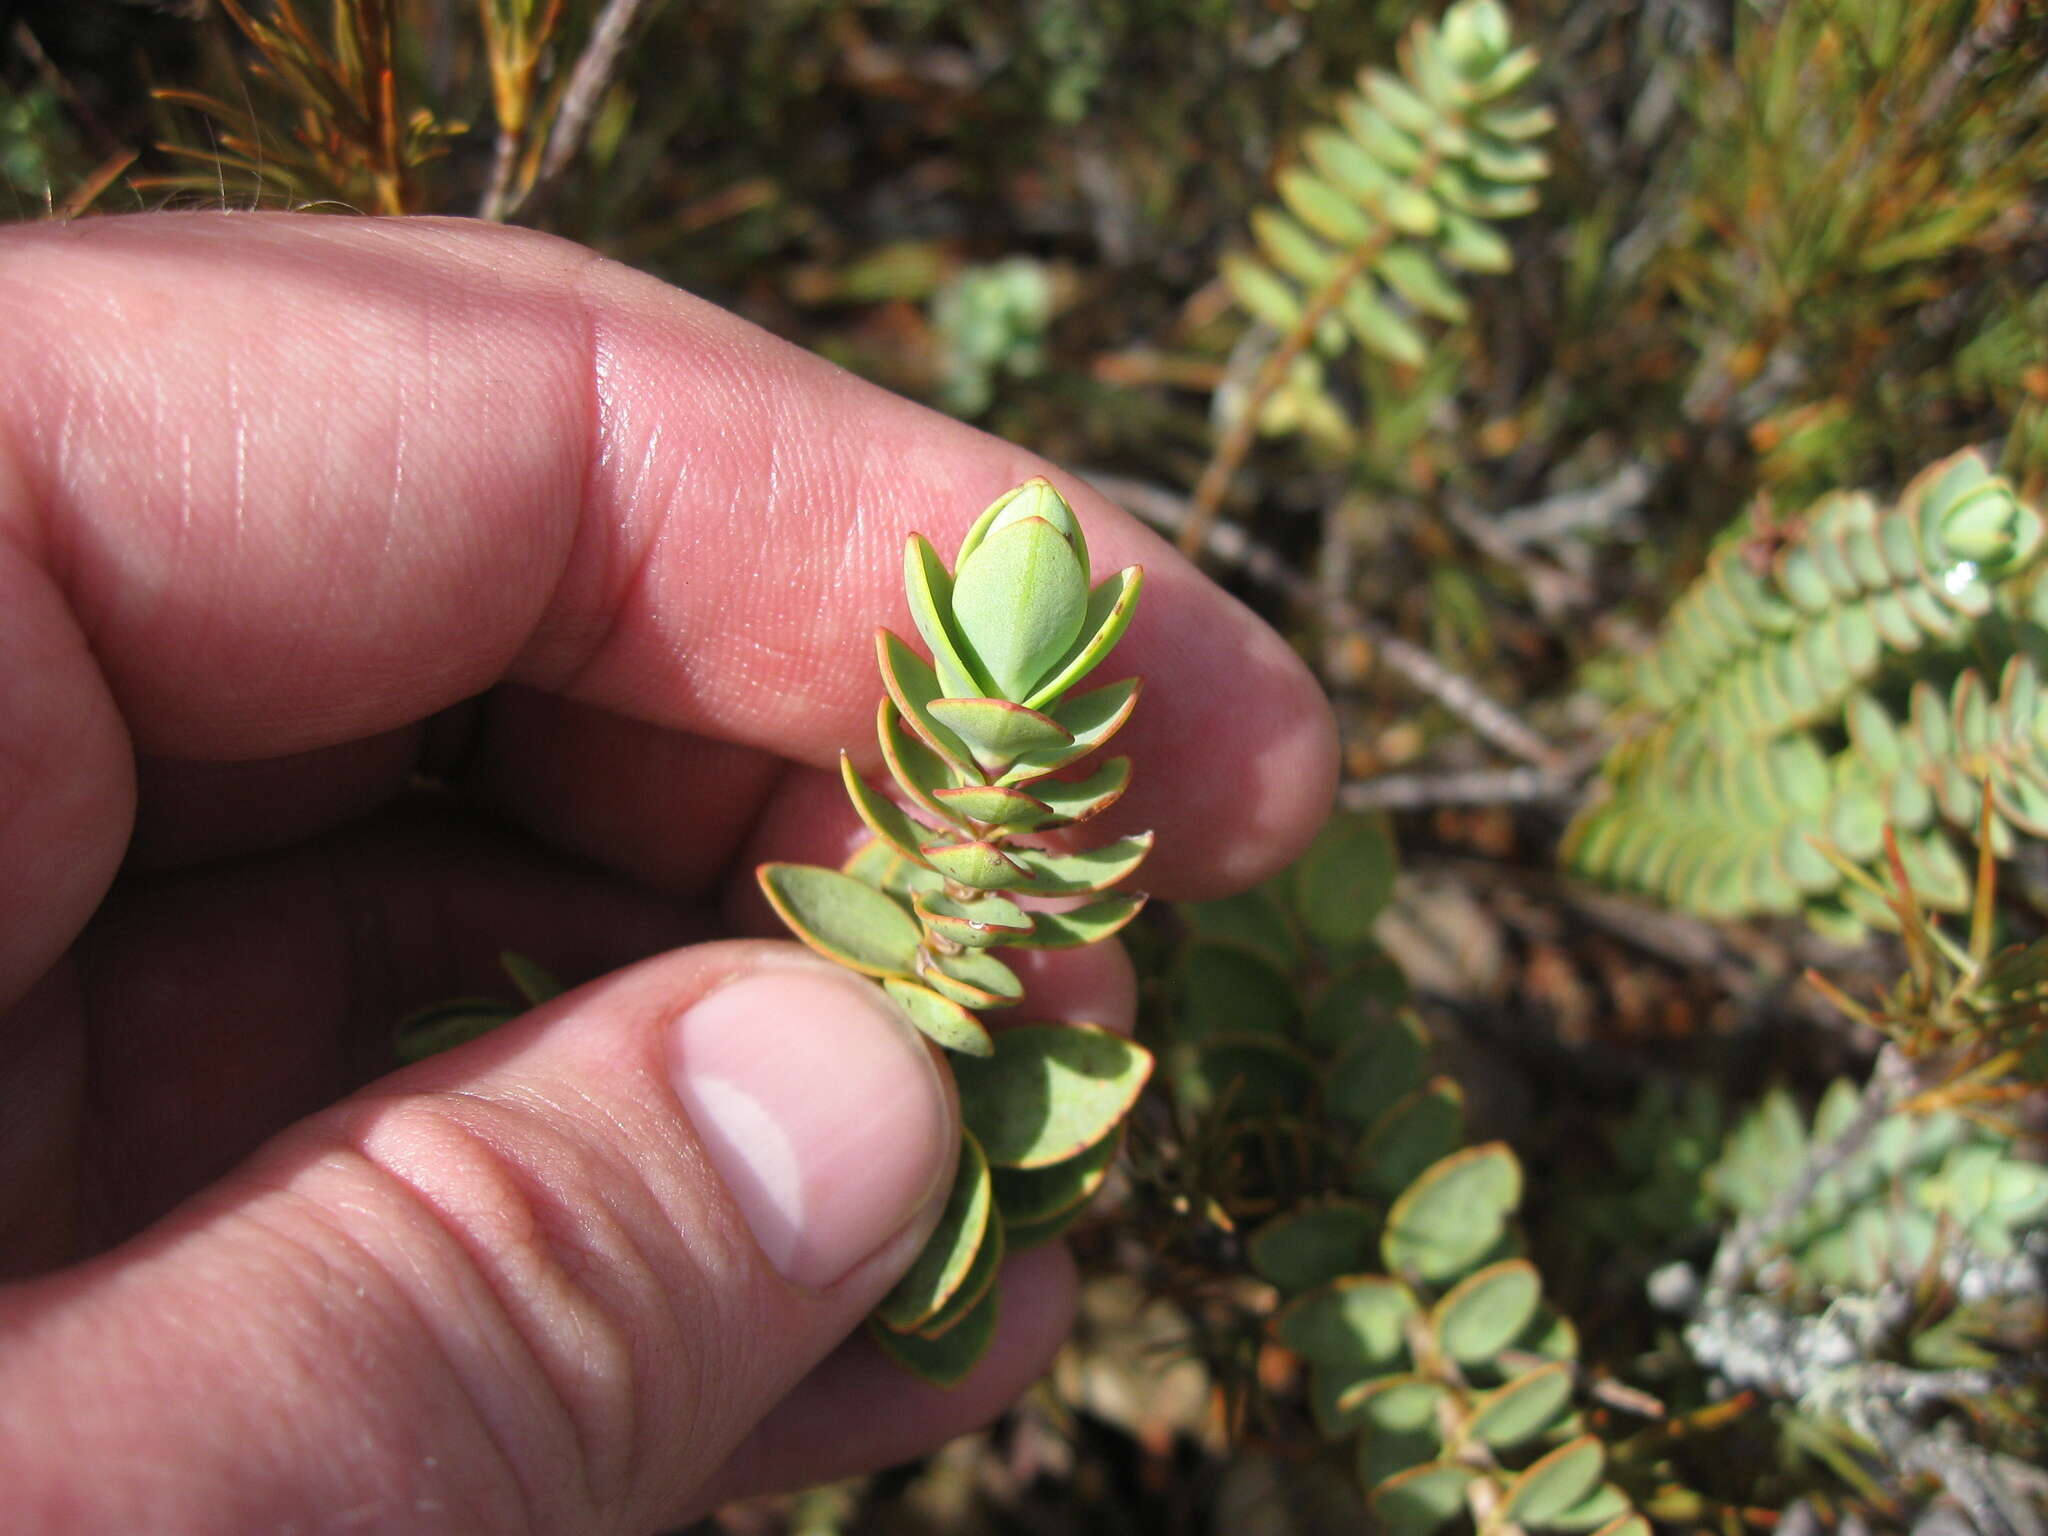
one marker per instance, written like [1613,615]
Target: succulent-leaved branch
[975,740]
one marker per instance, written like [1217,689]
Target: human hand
[277,496]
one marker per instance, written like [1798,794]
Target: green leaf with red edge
[996,806]
[976,1287]
[916,767]
[999,732]
[946,1360]
[983,922]
[981,865]
[842,918]
[1029,1197]
[1553,1483]
[1081,874]
[1420,1499]
[1084,925]
[1049,1091]
[1093,718]
[1110,607]
[882,816]
[973,978]
[948,1254]
[929,586]
[1079,799]
[939,1018]
[912,686]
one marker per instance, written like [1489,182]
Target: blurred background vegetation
[1780,1187]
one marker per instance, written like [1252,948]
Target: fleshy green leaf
[974,978]
[1601,1507]
[1019,600]
[1084,925]
[981,865]
[1453,1215]
[1345,879]
[940,1018]
[946,1360]
[1036,497]
[930,590]
[1315,1243]
[1110,607]
[1079,799]
[882,816]
[1253,919]
[1031,1196]
[1082,874]
[947,1256]
[1554,1483]
[842,919]
[1522,1409]
[1222,988]
[1049,1091]
[1483,1313]
[1092,717]
[1426,1125]
[999,732]
[1353,1324]
[1259,290]
[912,686]
[916,767]
[1422,1498]
[1403,1405]
[1353,1006]
[996,805]
[975,1286]
[981,923]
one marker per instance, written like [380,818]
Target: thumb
[544,1282]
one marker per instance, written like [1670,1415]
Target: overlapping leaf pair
[973,740]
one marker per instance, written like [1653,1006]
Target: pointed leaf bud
[1019,601]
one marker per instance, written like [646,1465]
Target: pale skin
[278,495]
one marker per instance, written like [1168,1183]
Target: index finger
[270,483]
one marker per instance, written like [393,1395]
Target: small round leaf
[1422,1498]
[1554,1483]
[1451,1216]
[1315,1243]
[1485,1312]
[1522,1409]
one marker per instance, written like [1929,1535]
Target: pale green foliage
[1395,199]
[1809,697]
[991,323]
[1429,1346]
[1923,1189]
[971,739]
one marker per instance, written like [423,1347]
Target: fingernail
[820,1108]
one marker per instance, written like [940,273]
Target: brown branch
[1741,1249]
[1458,694]
[1244,427]
[588,81]
[1486,786]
